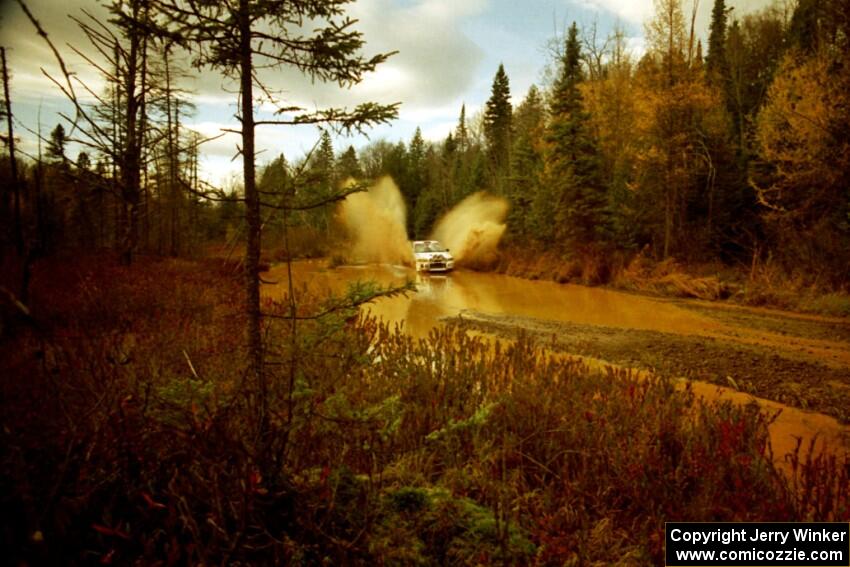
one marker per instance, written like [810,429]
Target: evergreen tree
[526,160]
[275,176]
[572,161]
[461,133]
[449,145]
[56,144]
[323,162]
[83,161]
[700,60]
[417,174]
[464,163]
[803,32]
[348,165]
[322,180]
[497,130]
[716,65]
[416,158]
[429,203]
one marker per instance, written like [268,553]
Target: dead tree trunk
[131,156]
[13,164]
[252,215]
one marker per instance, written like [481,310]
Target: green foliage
[431,526]
[275,179]
[526,163]
[572,163]
[498,130]
[348,165]
[182,394]
[716,64]
[804,29]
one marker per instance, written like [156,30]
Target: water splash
[472,229]
[375,221]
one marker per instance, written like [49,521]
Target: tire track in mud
[754,369]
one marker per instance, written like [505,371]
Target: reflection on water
[448,295]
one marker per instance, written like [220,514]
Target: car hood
[433,255]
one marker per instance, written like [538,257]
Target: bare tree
[13,165]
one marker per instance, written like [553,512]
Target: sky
[448,53]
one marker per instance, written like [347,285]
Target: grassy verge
[130,435]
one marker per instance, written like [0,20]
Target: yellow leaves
[796,133]
[798,105]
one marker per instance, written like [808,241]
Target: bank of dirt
[766,287]
[794,379]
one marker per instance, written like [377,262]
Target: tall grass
[129,436]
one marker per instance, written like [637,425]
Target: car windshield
[430,246]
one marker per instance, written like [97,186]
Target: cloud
[29,54]
[435,60]
[632,11]
[638,12]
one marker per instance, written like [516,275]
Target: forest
[161,406]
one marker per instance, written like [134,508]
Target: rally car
[431,256]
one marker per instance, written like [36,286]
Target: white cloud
[639,12]
[436,60]
[632,11]
[438,132]
[435,65]
[636,46]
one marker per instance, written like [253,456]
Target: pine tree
[322,180]
[461,133]
[526,160]
[700,60]
[572,161]
[323,161]
[803,32]
[418,176]
[348,166]
[464,162]
[716,64]
[56,144]
[497,130]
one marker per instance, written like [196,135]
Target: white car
[431,256]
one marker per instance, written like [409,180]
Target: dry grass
[767,284]
[669,278]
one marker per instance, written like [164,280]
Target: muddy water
[440,297]
[448,296]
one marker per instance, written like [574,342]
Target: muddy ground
[763,371]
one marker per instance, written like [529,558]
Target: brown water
[450,295]
[438,297]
